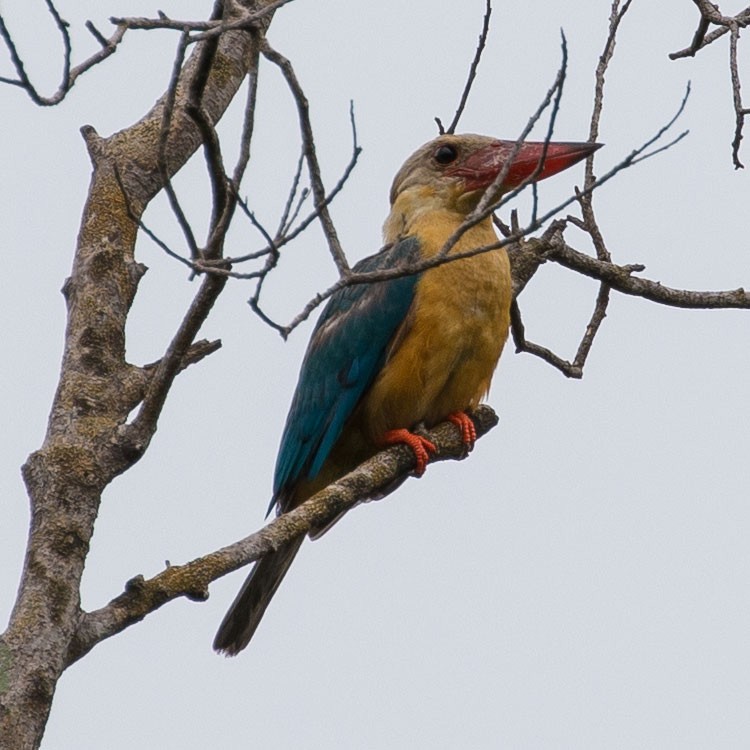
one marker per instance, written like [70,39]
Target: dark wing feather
[345,354]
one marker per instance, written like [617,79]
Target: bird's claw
[420,446]
[466,426]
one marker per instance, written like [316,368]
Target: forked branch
[710,15]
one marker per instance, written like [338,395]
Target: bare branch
[205,29]
[135,218]
[223,200]
[739,110]
[166,124]
[138,433]
[284,235]
[621,279]
[518,332]
[285,221]
[308,144]
[283,238]
[572,369]
[248,127]
[472,72]
[530,254]
[710,15]
[588,224]
[376,477]
[70,75]
[634,157]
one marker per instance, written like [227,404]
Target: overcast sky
[581,581]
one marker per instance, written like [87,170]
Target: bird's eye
[446,154]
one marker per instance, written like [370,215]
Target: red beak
[481,168]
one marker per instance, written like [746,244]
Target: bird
[417,349]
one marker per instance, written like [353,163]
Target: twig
[291,234]
[285,222]
[710,15]
[70,74]
[226,191]
[63,27]
[637,155]
[248,128]
[308,143]
[204,29]
[196,352]
[621,279]
[588,224]
[472,71]
[558,89]
[166,124]
[616,16]
[739,110]
[223,198]
[518,332]
[489,203]
[138,433]
[271,249]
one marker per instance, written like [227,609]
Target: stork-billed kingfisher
[417,349]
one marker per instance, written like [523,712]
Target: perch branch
[377,476]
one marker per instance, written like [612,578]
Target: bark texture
[88,440]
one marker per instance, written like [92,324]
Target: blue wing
[345,354]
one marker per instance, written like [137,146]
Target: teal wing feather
[345,354]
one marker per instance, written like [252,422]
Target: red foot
[420,446]
[464,423]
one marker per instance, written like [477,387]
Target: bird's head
[452,172]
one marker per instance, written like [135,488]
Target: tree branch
[70,75]
[87,441]
[205,29]
[621,278]
[552,247]
[588,225]
[377,477]
[710,15]
[308,146]
[481,43]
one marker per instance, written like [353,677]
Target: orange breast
[452,339]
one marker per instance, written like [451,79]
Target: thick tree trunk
[88,442]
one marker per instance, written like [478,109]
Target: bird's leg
[466,425]
[420,446]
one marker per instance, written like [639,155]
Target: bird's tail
[244,616]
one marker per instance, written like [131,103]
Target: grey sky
[581,580]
